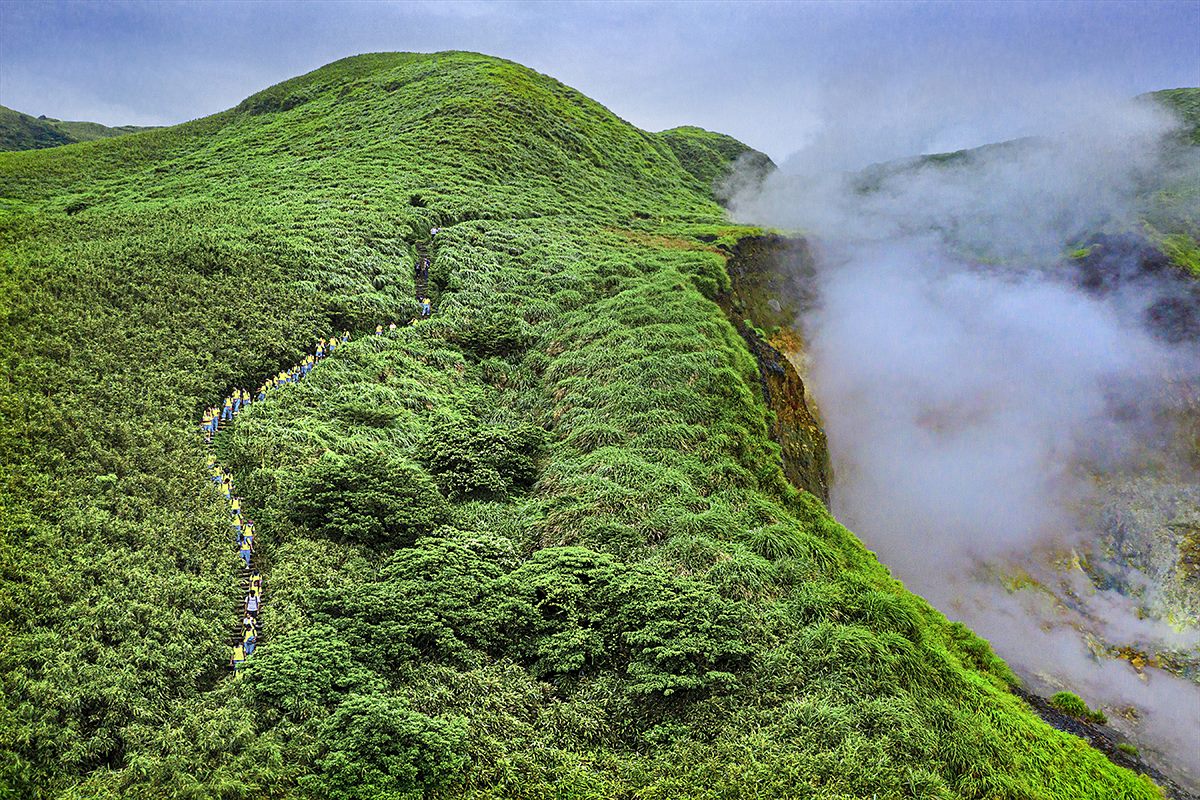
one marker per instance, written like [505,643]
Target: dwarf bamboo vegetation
[539,545]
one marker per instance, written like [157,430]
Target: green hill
[22,132]
[541,545]
[1168,202]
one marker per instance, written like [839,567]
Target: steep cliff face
[768,286]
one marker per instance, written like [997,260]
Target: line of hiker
[421,273]
[216,417]
[240,399]
[421,279]
[246,637]
[242,527]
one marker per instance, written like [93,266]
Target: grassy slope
[620,595]
[22,132]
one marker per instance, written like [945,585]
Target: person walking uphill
[244,550]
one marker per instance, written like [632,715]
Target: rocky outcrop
[1168,297]
[794,429]
[768,287]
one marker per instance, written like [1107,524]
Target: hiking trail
[246,634]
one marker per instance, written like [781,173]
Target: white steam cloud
[971,391]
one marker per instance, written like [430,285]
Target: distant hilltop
[1185,103]
[24,132]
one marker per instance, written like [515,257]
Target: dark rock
[1103,738]
[1174,319]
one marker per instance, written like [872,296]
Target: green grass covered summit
[538,546]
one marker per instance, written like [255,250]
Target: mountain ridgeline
[543,544]
[22,132]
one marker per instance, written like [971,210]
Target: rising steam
[973,387]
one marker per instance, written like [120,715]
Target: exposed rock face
[1148,513]
[1170,299]
[805,457]
[767,275]
[1148,523]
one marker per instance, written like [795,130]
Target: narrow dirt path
[421,271]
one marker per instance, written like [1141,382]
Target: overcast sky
[922,76]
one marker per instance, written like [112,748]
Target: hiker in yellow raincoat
[238,658]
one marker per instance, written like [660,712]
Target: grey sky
[918,75]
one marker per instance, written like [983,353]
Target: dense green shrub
[683,636]
[369,498]
[568,610]
[429,601]
[381,748]
[492,332]
[305,672]
[469,457]
[556,611]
